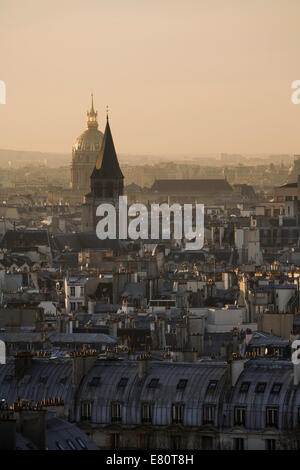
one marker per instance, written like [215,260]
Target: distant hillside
[22,158]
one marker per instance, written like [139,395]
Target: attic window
[276,387]
[212,386]
[43,379]
[260,387]
[8,378]
[153,383]
[94,382]
[86,410]
[26,379]
[181,384]
[63,380]
[123,382]
[177,412]
[244,387]
[116,412]
[147,412]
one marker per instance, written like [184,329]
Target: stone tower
[106,182]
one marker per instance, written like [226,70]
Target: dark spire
[107,165]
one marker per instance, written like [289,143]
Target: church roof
[107,165]
[192,185]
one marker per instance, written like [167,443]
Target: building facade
[144,404]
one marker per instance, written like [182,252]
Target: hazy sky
[179,76]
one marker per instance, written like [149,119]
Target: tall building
[106,182]
[85,152]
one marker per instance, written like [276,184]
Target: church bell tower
[107,182]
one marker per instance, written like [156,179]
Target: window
[240,415]
[175,442]
[123,382]
[73,306]
[26,379]
[239,443]
[177,412]
[81,443]
[81,291]
[270,444]
[95,382]
[212,386]
[147,409]
[208,414]
[71,445]
[145,441]
[43,379]
[116,413]
[276,387]
[86,410]
[207,443]
[72,291]
[115,440]
[244,387]
[181,384]
[153,383]
[272,417]
[260,387]
[59,446]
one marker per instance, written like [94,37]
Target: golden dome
[91,139]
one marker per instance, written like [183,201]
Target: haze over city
[192,77]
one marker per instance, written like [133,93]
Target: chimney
[32,424]
[113,328]
[162,332]
[181,335]
[55,405]
[248,336]
[23,360]
[189,356]
[81,364]
[236,367]
[144,365]
[196,341]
